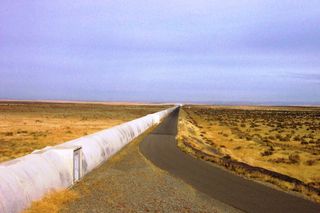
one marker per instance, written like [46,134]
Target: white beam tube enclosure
[30,177]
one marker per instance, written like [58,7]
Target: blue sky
[200,51]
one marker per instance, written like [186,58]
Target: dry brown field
[26,126]
[277,145]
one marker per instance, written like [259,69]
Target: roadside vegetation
[53,202]
[26,126]
[278,145]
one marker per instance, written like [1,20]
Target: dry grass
[53,202]
[26,126]
[284,140]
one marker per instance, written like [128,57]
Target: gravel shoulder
[128,182]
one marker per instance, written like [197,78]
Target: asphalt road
[160,148]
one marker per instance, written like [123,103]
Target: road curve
[160,148]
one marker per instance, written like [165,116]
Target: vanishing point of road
[249,196]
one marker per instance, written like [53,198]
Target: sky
[258,51]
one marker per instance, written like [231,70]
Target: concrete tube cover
[30,177]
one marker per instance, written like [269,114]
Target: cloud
[195,50]
[312,77]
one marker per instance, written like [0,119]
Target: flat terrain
[161,148]
[26,126]
[278,145]
[128,182]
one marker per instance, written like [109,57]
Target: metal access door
[76,165]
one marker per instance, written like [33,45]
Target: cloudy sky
[202,51]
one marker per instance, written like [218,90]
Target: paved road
[128,182]
[160,147]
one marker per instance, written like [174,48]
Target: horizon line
[217,103]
